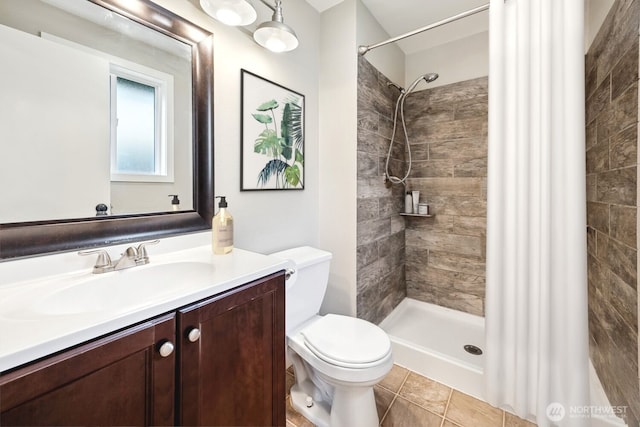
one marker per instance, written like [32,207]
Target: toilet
[337,359]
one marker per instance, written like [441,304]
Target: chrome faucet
[130,258]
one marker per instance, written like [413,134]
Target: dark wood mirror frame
[34,238]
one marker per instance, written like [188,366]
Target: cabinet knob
[194,335]
[166,349]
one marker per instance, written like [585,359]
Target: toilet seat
[347,341]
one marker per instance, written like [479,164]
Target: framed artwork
[272,135]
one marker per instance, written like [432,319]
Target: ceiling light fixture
[230,12]
[275,35]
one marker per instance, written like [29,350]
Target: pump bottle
[222,229]
[175,202]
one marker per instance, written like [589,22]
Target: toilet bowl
[337,359]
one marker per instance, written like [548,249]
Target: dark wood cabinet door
[234,373]
[117,380]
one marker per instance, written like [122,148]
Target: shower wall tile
[445,262]
[599,101]
[598,216]
[611,68]
[470,225]
[368,120]
[372,230]
[620,258]
[466,187]
[465,245]
[367,254]
[598,158]
[457,263]
[380,231]
[432,168]
[367,164]
[452,205]
[591,137]
[372,188]
[625,72]
[623,148]
[592,187]
[617,186]
[367,209]
[471,109]
[435,224]
[471,168]
[456,129]
[420,152]
[623,224]
[472,148]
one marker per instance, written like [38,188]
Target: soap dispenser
[175,202]
[222,229]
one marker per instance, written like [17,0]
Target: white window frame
[163,150]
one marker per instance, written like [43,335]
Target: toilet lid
[346,341]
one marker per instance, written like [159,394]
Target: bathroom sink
[119,291]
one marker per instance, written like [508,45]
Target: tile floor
[407,399]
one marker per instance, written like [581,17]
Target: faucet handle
[142,250]
[103,263]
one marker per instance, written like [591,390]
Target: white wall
[265,221]
[38,136]
[338,139]
[344,27]
[459,60]
[595,11]
[389,59]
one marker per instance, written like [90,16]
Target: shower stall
[424,279]
[440,149]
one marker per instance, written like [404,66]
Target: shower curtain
[536,301]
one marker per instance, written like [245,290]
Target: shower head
[430,77]
[426,77]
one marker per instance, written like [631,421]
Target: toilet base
[319,414]
[352,406]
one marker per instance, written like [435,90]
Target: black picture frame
[272,134]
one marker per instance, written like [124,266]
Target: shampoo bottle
[222,229]
[408,203]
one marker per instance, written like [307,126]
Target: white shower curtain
[536,301]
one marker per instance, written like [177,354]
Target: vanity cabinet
[226,367]
[233,372]
[118,380]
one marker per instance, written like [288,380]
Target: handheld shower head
[426,77]
[430,77]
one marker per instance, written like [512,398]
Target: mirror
[169,46]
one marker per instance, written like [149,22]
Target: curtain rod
[362,50]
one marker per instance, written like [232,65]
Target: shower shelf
[420,215]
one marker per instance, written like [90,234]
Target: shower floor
[430,340]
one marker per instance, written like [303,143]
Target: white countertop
[25,336]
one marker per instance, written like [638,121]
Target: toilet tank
[306,287]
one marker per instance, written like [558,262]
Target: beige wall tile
[454,243]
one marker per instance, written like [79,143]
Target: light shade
[230,12]
[275,35]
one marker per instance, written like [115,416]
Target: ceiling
[401,16]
